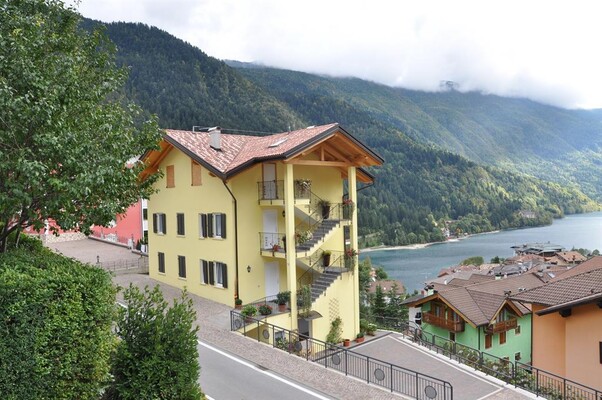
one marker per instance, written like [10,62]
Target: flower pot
[325,211]
[326,260]
[346,342]
[282,307]
[238,306]
[359,339]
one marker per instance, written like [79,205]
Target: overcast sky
[548,51]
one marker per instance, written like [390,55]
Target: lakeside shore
[419,246]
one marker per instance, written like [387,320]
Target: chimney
[215,138]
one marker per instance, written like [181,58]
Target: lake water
[414,266]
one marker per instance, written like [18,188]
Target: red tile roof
[240,151]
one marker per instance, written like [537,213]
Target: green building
[477,312]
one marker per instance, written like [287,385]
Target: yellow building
[229,206]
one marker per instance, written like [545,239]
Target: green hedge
[55,326]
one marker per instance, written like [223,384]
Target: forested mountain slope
[520,135]
[419,186]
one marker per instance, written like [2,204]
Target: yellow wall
[212,196]
[191,200]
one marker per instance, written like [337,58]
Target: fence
[534,380]
[386,375]
[138,265]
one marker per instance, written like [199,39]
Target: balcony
[271,193]
[502,326]
[441,322]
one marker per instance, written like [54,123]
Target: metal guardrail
[139,265]
[377,372]
[540,382]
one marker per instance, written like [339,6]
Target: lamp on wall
[248,268]
[283,213]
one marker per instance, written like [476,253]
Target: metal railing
[274,190]
[524,376]
[551,386]
[123,266]
[371,370]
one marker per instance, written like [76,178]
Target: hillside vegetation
[422,184]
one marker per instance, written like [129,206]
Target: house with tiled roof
[567,324]
[567,258]
[480,314]
[240,217]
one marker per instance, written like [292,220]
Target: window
[170,176]
[502,337]
[145,214]
[161,262]
[195,172]
[180,220]
[214,273]
[517,330]
[221,275]
[182,266]
[452,336]
[218,225]
[159,223]
[517,356]
[488,341]
[212,225]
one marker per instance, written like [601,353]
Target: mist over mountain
[448,156]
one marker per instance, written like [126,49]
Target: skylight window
[278,143]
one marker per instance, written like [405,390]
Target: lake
[414,266]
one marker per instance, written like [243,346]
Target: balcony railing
[450,325]
[274,190]
[502,326]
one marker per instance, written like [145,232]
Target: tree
[395,310]
[379,304]
[66,134]
[157,357]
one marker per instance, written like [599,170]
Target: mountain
[421,185]
[520,135]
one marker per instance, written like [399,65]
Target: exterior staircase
[323,282]
[318,235]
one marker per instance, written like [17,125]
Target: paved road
[228,377]
[398,352]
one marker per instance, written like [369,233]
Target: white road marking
[247,364]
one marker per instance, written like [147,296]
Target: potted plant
[302,188]
[282,299]
[359,338]
[350,255]
[326,257]
[249,311]
[371,329]
[238,303]
[346,342]
[275,248]
[325,206]
[303,236]
[265,309]
[348,207]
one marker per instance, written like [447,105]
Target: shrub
[336,330]
[55,317]
[157,357]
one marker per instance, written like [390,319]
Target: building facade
[246,217]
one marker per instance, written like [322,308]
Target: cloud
[543,50]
